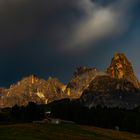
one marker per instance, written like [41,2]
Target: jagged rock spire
[120,68]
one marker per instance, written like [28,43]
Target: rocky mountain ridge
[116,86]
[32,89]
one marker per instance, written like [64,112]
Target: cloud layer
[100,22]
[63,25]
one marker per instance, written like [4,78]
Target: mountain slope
[120,88]
[111,92]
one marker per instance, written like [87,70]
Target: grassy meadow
[61,132]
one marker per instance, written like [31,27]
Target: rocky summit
[120,68]
[119,88]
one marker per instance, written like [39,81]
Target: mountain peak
[83,69]
[120,67]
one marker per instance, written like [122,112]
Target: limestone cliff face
[82,78]
[32,89]
[120,68]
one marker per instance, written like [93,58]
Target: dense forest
[114,118]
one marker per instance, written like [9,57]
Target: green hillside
[61,132]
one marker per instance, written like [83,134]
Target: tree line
[122,119]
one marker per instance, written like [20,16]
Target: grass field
[61,132]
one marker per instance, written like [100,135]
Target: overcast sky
[53,37]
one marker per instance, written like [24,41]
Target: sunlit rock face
[120,68]
[81,80]
[2,90]
[32,89]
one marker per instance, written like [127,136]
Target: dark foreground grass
[61,132]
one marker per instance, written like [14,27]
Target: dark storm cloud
[63,24]
[25,19]
[34,33]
